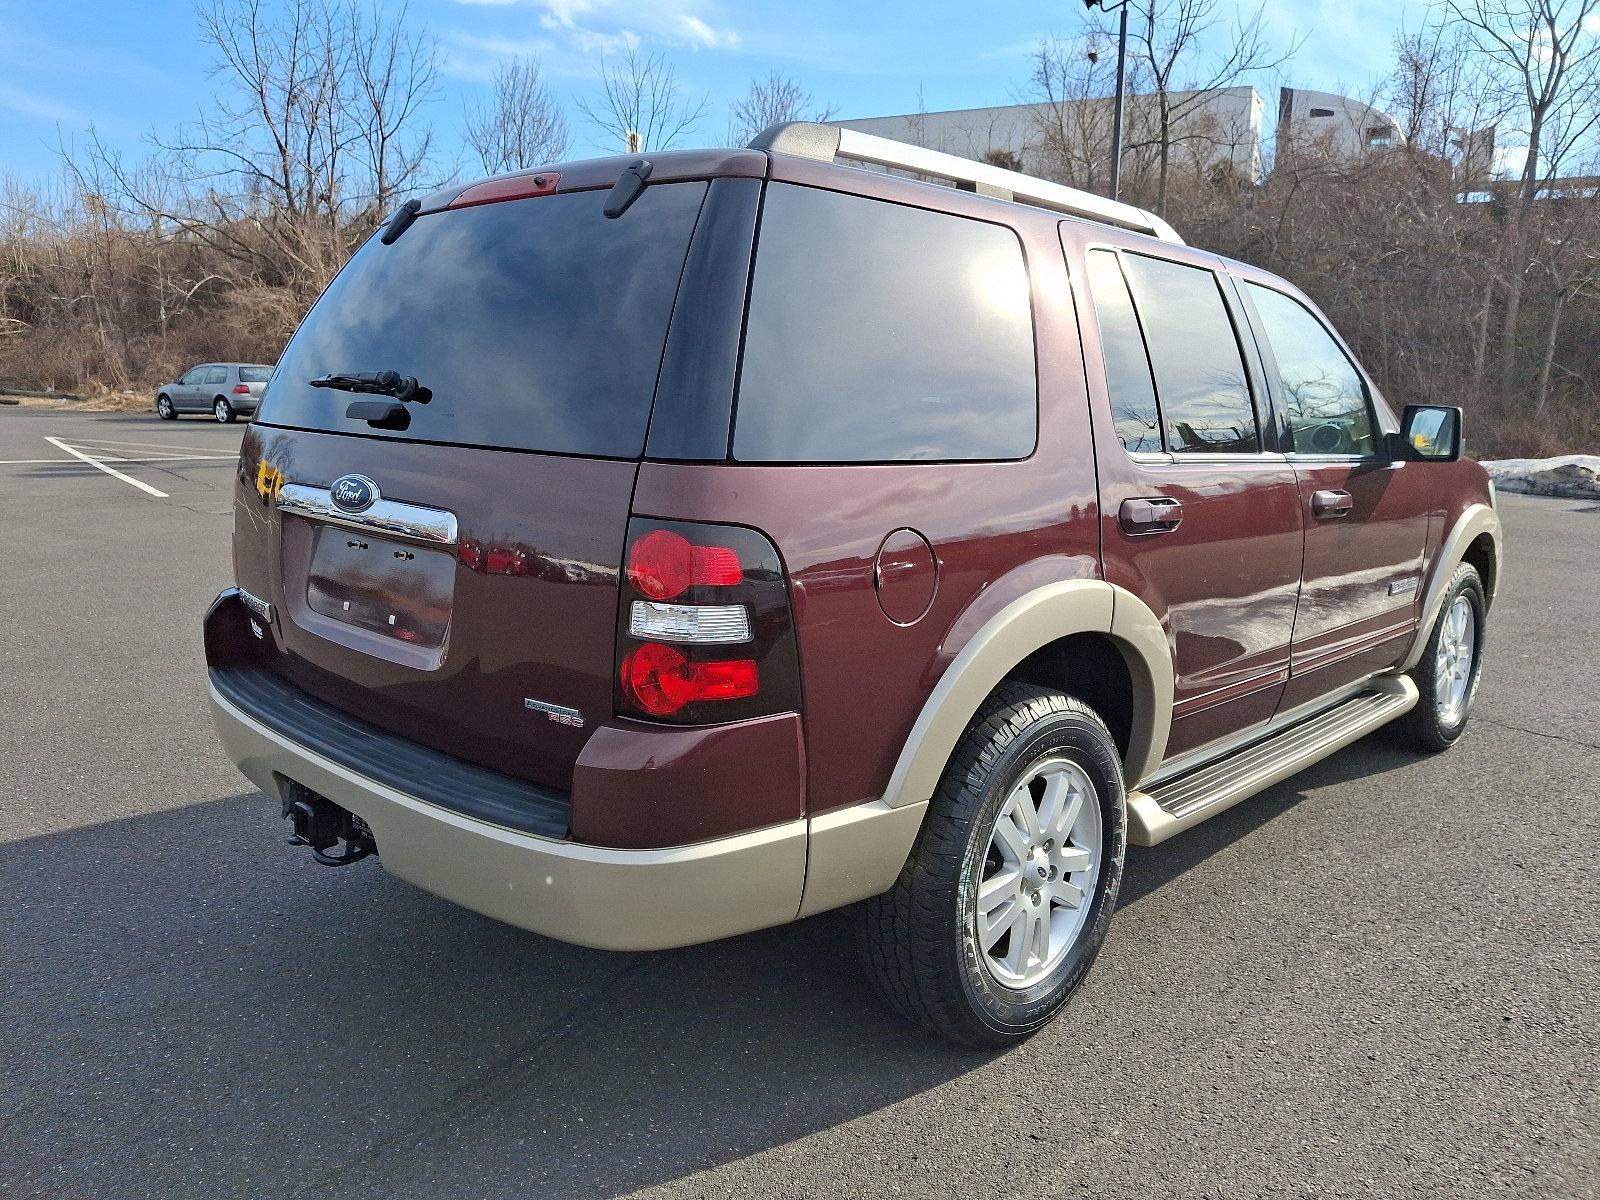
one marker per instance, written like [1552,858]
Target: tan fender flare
[1476,520]
[857,852]
[1026,624]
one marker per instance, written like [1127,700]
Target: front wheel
[164,409]
[223,411]
[1447,675]
[1009,890]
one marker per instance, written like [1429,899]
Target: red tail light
[241,389]
[661,680]
[724,648]
[663,565]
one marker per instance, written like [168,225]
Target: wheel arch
[1026,640]
[1474,539]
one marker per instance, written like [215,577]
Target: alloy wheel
[1453,661]
[1039,873]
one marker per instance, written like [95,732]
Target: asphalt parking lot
[1378,978]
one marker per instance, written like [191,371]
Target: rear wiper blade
[404,388]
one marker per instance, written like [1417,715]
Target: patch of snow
[1573,476]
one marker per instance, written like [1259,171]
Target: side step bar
[1176,804]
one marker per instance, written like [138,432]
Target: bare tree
[311,135]
[641,95]
[772,101]
[1166,37]
[1544,55]
[1068,82]
[521,126]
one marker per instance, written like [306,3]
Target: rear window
[537,324]
[254,374]
[879,332]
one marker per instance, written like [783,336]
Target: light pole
[1122,80]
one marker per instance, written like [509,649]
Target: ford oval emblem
[354,493]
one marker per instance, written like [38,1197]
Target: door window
[194,376]
[1194,353]
[217,375]
[1128,380]
[1326,399]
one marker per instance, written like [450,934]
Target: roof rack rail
[826,143]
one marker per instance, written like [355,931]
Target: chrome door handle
[1153,514]
[1333,503]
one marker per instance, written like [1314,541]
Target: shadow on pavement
[195,1009]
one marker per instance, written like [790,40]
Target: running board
[1176,804]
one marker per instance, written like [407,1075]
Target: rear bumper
[590,895]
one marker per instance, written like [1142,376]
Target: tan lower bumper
[611,899]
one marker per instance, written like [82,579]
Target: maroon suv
[646,552]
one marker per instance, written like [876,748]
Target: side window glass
[217,375]
[1325,397]
[194,376]
[1199,372]
[1132,391]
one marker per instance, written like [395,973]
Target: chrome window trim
[412,522]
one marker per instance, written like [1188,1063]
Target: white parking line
[111,471]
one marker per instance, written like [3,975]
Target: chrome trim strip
[431,526]
[1212,751]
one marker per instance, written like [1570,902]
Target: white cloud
[41,108]
[474,58]
[611,26]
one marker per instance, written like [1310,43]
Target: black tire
[223,411]
[917,938]
[164,408]
[1423,728]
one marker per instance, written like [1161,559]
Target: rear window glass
[1205,395]
[879,332]
[537,324]
[254,374]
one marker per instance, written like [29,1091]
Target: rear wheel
[164,408]
[1009,891]
[1447,675]
[222,410]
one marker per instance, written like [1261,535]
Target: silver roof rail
[811,139]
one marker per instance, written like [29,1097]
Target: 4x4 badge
[354,493]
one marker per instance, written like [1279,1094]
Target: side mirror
[1430,433]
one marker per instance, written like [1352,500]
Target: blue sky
[130,65]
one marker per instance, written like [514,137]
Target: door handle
[1153,514]
[1334,503]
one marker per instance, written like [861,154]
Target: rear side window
[254,374]
[1199,372]
[1133,392]
[537,324]
[216,375]
[1324,395]
[878,333]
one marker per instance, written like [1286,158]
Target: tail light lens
[704,632]
[241,389]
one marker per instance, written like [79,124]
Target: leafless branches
[772,101]
[640,95]
[521,126]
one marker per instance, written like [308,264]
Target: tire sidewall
[164,408]
[222,411]
[1465,584]
[1006,1011]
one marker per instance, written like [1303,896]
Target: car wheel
[1447,674]
[1009,890]
[164,408]
[223,410]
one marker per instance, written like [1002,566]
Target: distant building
[1224,126]
[1322,123]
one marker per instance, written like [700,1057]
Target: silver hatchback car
[225,390]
